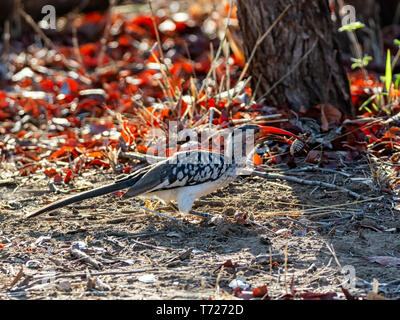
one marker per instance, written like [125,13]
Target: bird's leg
[149,205]
[196,213]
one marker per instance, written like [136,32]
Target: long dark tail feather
[119,185]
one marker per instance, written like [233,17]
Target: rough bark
[319,78]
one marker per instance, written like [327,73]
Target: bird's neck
[237,151]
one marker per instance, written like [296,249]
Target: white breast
[185,196]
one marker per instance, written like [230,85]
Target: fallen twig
[309,182]
[261,226]
[343,218]
[106,32]
[323,225]
[16,279]
[150,245]
[83,256]
[316,168]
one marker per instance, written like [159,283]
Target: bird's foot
[149,205]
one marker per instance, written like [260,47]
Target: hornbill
[185,176]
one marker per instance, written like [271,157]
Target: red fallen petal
[69,176]
[257,159]
[21,134]
[60,152]
[165,113]
[89,49]
[118,194]
[50,172]
[144,21]
[211,103]
[260,291]
[4,115]
[141,148]
[369,134]
[238,115]
[72,84]
[99,163]
[95,154]
[318,296]
[125,40]
[25,83]
[46,84]
[93,17]
[57,178]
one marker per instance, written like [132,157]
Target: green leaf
[388,72]
[367,102]
[397,82]
[360,63]
[368,109]
[352,26]
[375,107]
[366,59]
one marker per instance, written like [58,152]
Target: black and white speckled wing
[183,169]
[196,167]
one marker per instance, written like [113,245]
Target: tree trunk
[299,62]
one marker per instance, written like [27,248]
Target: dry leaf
[330,116]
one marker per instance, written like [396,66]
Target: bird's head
[242,139]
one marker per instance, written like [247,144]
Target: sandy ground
[131,254]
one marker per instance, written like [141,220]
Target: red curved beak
[267,131]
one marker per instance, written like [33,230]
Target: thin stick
[6,40]
[104,38]
[218,53]
[309,182]
[332,250]
[261,226]
[323,225]
[156,31]
[284,276]
[75,44]
[83,256]
[149,245]
[166,74]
